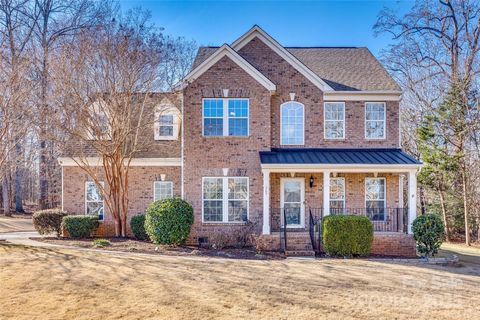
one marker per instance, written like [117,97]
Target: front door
[292,198]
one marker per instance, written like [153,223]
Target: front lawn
[40,283]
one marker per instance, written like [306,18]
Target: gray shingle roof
[344,69]
[336,156]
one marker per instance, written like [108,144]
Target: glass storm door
[292,200]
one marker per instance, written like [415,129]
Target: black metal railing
[315,227]
[383,219]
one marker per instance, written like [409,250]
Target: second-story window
[167,122]
[292,121]
[225,117]
[334,115]
[375,120]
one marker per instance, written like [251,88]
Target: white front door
[292,199]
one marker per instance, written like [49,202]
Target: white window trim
[166,182]
[325,121]
[225,201]
[384,120]
[344,193]
[384,199]
[167,109]
[281,125]
[225,117]
[96,108]
[86,201]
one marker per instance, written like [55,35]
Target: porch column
[266,202]
[326,192]
[412,198]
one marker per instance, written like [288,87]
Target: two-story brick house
[275,135]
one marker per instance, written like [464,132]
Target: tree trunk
[6,197]
[465,206]
[444,213]
[18,179]
[423,206]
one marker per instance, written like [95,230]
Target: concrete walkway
[22,238]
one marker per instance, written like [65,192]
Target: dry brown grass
[39,283]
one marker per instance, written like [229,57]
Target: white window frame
[281,124]
[226,117]
[170,183]
[343,191]
[225,200]
[86,198]
[384,194]
[97,108]
[167,110]
[384,120]
[325,120]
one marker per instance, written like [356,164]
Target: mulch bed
[131,245]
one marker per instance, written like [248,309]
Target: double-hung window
[337,195]
[162,190]
[94,200]
[375,198]
[225,117]
[167,122]
[292,119]
[334,116]
[375,120]
[225,199]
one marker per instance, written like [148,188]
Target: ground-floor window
[337,195]
[162,190]
[225,199]
[375,198]
[94,200]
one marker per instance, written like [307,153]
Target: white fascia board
[136,162]
[256,31]
[362,96]
[227,51]
[359,168]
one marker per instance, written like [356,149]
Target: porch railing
[383,219]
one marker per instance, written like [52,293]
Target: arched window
[292,123]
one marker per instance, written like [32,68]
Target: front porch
[300,189]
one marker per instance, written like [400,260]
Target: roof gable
[227,51]
[257,32]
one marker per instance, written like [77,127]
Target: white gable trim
[227,51]
[362,96]
[136,162]
[256,31]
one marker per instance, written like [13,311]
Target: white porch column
[266,202]
[326,193]
[412,198]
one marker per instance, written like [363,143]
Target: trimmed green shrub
[100,243]
[169,221]
[428,232]
[137,224]
[48,221]
[80,226]
[347,235]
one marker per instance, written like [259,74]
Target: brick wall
[288,79]
[394,244]
[141,181]
[206,156]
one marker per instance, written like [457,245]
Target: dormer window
[98,123]
[167,122]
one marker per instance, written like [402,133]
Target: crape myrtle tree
[435,59]
[104,83]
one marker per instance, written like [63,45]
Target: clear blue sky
[292,23]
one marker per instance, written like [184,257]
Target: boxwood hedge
[80,226]
[347,235]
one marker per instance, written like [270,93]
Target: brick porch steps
[299,244]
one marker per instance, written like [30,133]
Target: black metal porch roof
[337,156]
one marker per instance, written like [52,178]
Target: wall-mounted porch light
[312,180]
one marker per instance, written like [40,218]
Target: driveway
[15,224]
